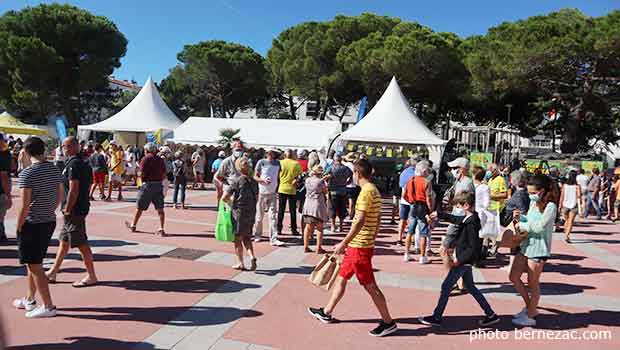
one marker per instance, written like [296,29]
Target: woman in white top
[488,220]
[569,203]
[130,164]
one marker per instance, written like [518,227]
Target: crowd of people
[486,208]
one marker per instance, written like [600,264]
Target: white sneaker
[524,321]
[406,258]
[277,243]
[256,239]
[521,314]
[41,312]
[424,260]
[23,303]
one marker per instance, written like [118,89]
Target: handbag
[325,272]
[505,217]
[224,225]
[509,238]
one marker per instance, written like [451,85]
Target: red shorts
[358,262]
[99,178]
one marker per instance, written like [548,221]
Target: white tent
[392,121]
[260,133]
[147,112]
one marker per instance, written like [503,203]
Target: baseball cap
[113,142]
[221,154]
[459,162]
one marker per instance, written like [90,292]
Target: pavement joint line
[208,335]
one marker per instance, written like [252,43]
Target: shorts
[565,210]
[424,229]
[358,262]
[115,177]
[338,207]
[243,221]
[150,192]
[99,177]
[311,220]
[353,192]
[404,211]
[617,204]
[74,230]
[33,240]
[539,259]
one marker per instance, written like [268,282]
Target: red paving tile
[285,323]
[137,296]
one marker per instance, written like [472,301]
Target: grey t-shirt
[594,184]
[465,184]
[228,170]
[266,169]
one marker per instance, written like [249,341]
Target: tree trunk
[292,107]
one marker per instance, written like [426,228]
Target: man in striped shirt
[41,193]
[358,248]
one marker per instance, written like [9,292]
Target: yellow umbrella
[11,125]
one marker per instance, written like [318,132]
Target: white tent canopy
[392,121]
[260,133]
[147,112]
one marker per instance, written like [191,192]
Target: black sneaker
[489,320]
[320,315]
[430,321]
[384,329]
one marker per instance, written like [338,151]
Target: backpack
[409,195]
[179,170]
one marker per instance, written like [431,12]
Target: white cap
[221,154]
[459,162]
[113,142]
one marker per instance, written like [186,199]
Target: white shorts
[115,177]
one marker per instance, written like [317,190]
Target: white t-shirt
[59,156]
[268,170]
[570,196]
[352,168]
[483,197]
[199,162]
[582,181]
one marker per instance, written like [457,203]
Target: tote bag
[325,272]
[224,225]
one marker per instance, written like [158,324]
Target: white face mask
[458,211]
[456,173]
[237,154]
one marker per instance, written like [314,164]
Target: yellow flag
[105,144]
[389,153]
[349,147]
[157,136]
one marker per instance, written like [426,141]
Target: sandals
[51,277]
[84,282]
[161,232]
[239,267]
[131,227]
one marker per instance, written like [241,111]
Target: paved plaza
[179,292]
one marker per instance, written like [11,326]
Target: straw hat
[317,170]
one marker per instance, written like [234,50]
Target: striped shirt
[43,178]
[369,201]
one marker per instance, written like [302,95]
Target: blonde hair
[243,165]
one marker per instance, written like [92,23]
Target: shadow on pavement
[574,269]
[201,286]
[192,316]
[93,343]
[300,270]
[546,288]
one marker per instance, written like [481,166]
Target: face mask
[237,154]
[534,197]
[455,173]
[458,211]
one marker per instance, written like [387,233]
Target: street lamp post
[509,106]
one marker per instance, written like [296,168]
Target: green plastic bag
[224,225]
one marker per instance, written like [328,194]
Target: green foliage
[56,58]
[228,136]
[225,76]
[564,61]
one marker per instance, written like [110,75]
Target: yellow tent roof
[11,125]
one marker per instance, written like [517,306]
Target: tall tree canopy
[563,64]
[340,61]
[56,58]
[225,76]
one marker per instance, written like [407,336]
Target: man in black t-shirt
[78,179]
[5,184]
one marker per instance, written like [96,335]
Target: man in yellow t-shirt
[499,189]
[358,248]
[117,168]
[287,190]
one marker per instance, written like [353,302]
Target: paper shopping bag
[325,272]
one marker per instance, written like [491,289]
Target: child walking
[468,248]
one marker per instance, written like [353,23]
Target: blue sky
[158,29]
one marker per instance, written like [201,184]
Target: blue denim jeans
[455,273]
[592,202]
[180,183]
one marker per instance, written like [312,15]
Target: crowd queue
[486,209]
